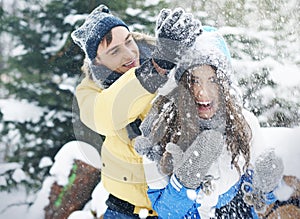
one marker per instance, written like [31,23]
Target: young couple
[197,140]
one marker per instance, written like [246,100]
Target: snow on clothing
[170,199]
[225,197]
[116,104]
[98,23]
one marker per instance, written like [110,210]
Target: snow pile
[60,171]
[65,158]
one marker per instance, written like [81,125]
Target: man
[115,96]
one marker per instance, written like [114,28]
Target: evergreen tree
[263,39]
[268,46]
[45,72]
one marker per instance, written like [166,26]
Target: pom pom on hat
[98,23]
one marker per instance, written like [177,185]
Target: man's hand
[176,31]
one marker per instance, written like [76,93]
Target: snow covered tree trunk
[63,200]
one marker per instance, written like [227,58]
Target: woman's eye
[213,80]
[194,81]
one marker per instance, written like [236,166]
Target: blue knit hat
[98,23]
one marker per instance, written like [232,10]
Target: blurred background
[40,67]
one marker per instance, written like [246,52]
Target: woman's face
[205,90]
[121,54]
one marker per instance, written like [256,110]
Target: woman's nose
[201,90]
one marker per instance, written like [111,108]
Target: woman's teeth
[204,103]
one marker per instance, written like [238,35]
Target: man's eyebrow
[129,35]
[111,49]
[115,47]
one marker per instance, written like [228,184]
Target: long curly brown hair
[178,111]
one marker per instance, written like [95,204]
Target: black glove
[175,32]
[191,166]
[268,171]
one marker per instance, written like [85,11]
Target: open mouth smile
[204,105]
[130,64]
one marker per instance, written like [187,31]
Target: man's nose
[128,53]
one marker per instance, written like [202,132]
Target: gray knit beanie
[210,48]
[98,23]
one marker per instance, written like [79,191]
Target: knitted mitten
[268,171]
[191,166]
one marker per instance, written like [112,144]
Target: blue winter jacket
[172,202]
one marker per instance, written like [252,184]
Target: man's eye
[129,41]
[114,52]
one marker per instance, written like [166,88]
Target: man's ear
[101,47]
[97,61]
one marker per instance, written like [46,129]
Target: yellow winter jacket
[108,112]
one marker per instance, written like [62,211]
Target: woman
[205,142]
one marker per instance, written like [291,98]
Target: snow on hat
[97,24]
[210,48]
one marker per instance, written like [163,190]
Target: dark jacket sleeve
[149,78]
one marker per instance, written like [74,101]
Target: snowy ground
[13,205]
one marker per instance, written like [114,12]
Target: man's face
[121,54]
